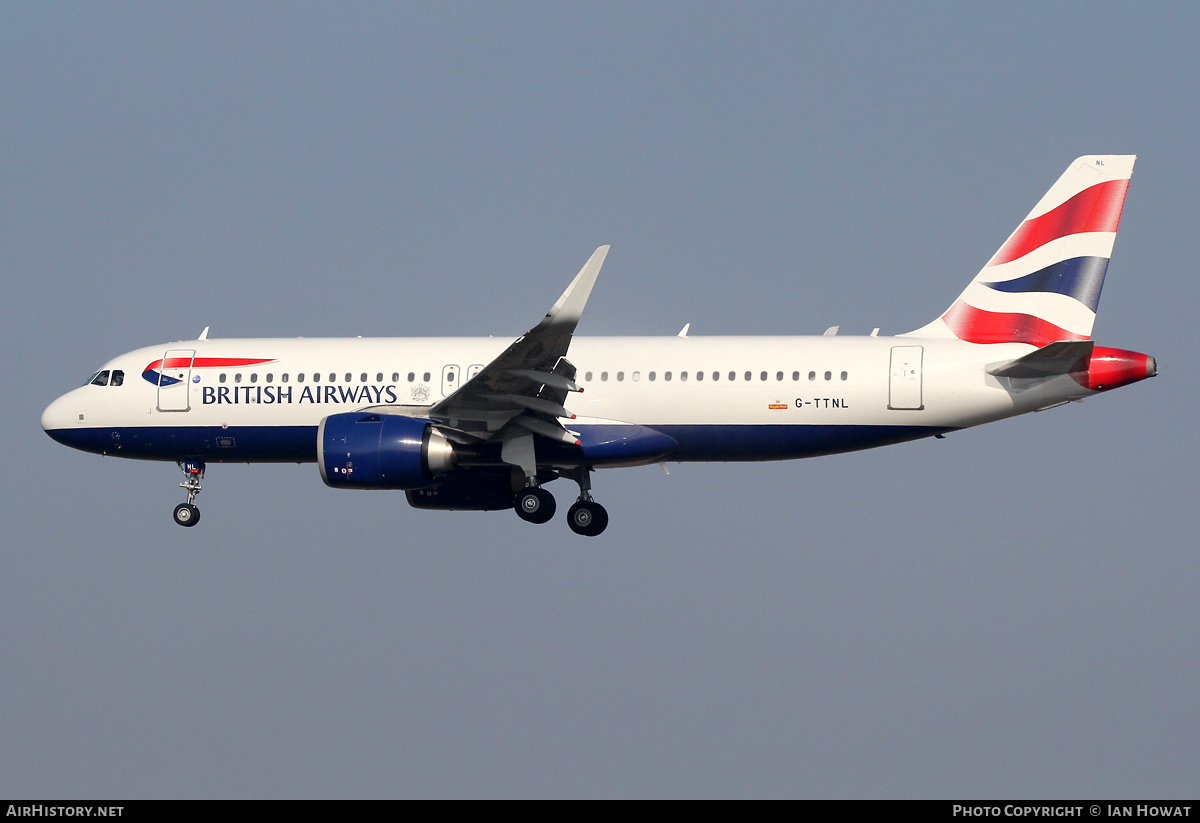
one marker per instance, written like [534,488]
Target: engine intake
[381,451]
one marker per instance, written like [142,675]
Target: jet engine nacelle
[380,451]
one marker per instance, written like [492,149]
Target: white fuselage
[719,398]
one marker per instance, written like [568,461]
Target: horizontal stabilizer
[1064,357]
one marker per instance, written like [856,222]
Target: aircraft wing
[523,390]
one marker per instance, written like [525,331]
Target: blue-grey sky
[1010,611]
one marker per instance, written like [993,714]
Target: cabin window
[733,375]
[221,377]
[652,376]
[778,375]
[362,378]
[118,378]
[426,378]
[411,377]
[299,377]
[283,378]
[716,375]
[237,378]
[844,375]
[270,377]
[637,375]
[379,377]
[316,377]
[748,376]
[254,377]
[683,375]
[620,375]
[762,376]
[395,377]
[603,375]
[667,376]
[588,377]
[795,375]
[101,378]
[812,375]
[699,375]
[828,375]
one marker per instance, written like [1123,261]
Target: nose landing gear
[187,514]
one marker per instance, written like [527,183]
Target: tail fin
[1044,283]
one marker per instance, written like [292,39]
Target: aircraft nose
[58,416]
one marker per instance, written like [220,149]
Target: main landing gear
[586,517]
[187,514]
[534,504]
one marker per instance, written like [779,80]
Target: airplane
[481,424]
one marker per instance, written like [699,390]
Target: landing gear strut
[586,517]
[187,514]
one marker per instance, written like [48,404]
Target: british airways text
[267,395]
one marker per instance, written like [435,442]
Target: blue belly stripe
[236,444]
[781,442]
[298,444]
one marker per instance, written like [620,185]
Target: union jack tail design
[1043,285]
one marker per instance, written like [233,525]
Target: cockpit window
[101,378]
[118,377]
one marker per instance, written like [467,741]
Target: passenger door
[175,380]
[904,386]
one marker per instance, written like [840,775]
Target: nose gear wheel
[188,514]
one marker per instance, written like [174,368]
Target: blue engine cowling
[380,451]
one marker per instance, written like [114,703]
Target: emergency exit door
[450,375]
